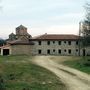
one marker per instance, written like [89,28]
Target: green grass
[79,63]
[18,73]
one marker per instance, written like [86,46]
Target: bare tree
[87,9]
[87,25]
[84,29]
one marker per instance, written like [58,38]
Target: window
[76,42]
[53,50]
[29,36]
[69,51]
[69,42]
[59,42]
[59,51]
[76,50]
[39,51]
[48,51]
[48,43]
[53,42]
[64,41]
[39,42]
[65,50]
[16,37]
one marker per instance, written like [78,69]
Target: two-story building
[46,44]
[56,44]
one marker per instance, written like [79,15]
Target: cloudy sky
[41,16]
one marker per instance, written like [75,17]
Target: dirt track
[73,79]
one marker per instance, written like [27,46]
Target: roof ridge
[37,36]
[56,36]
[21,26]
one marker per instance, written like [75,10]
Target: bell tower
[22,31]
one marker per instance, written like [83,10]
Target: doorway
[83,52]
[39,51]
[48,51]
[5,51]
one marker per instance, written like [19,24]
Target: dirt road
[73,79]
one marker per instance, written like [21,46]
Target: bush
[2,84]
[88,60]
[87,63]
[11,76]
[26,89]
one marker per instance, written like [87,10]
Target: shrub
[87,63]
[2,84]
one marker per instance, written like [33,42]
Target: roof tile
[56,37]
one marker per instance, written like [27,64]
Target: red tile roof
[56,37]
[25,41]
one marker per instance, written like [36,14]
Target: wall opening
[59,51]
[83,52]
[5,51]
[39,51]
[48,51]
[69,51]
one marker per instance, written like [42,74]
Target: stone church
[22,43]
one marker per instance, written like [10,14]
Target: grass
[79,63]
[18,73]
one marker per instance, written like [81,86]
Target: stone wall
[21,49]
[54,47]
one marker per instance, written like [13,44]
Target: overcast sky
[41,16]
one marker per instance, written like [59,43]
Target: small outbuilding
[21,46]
[5,50]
